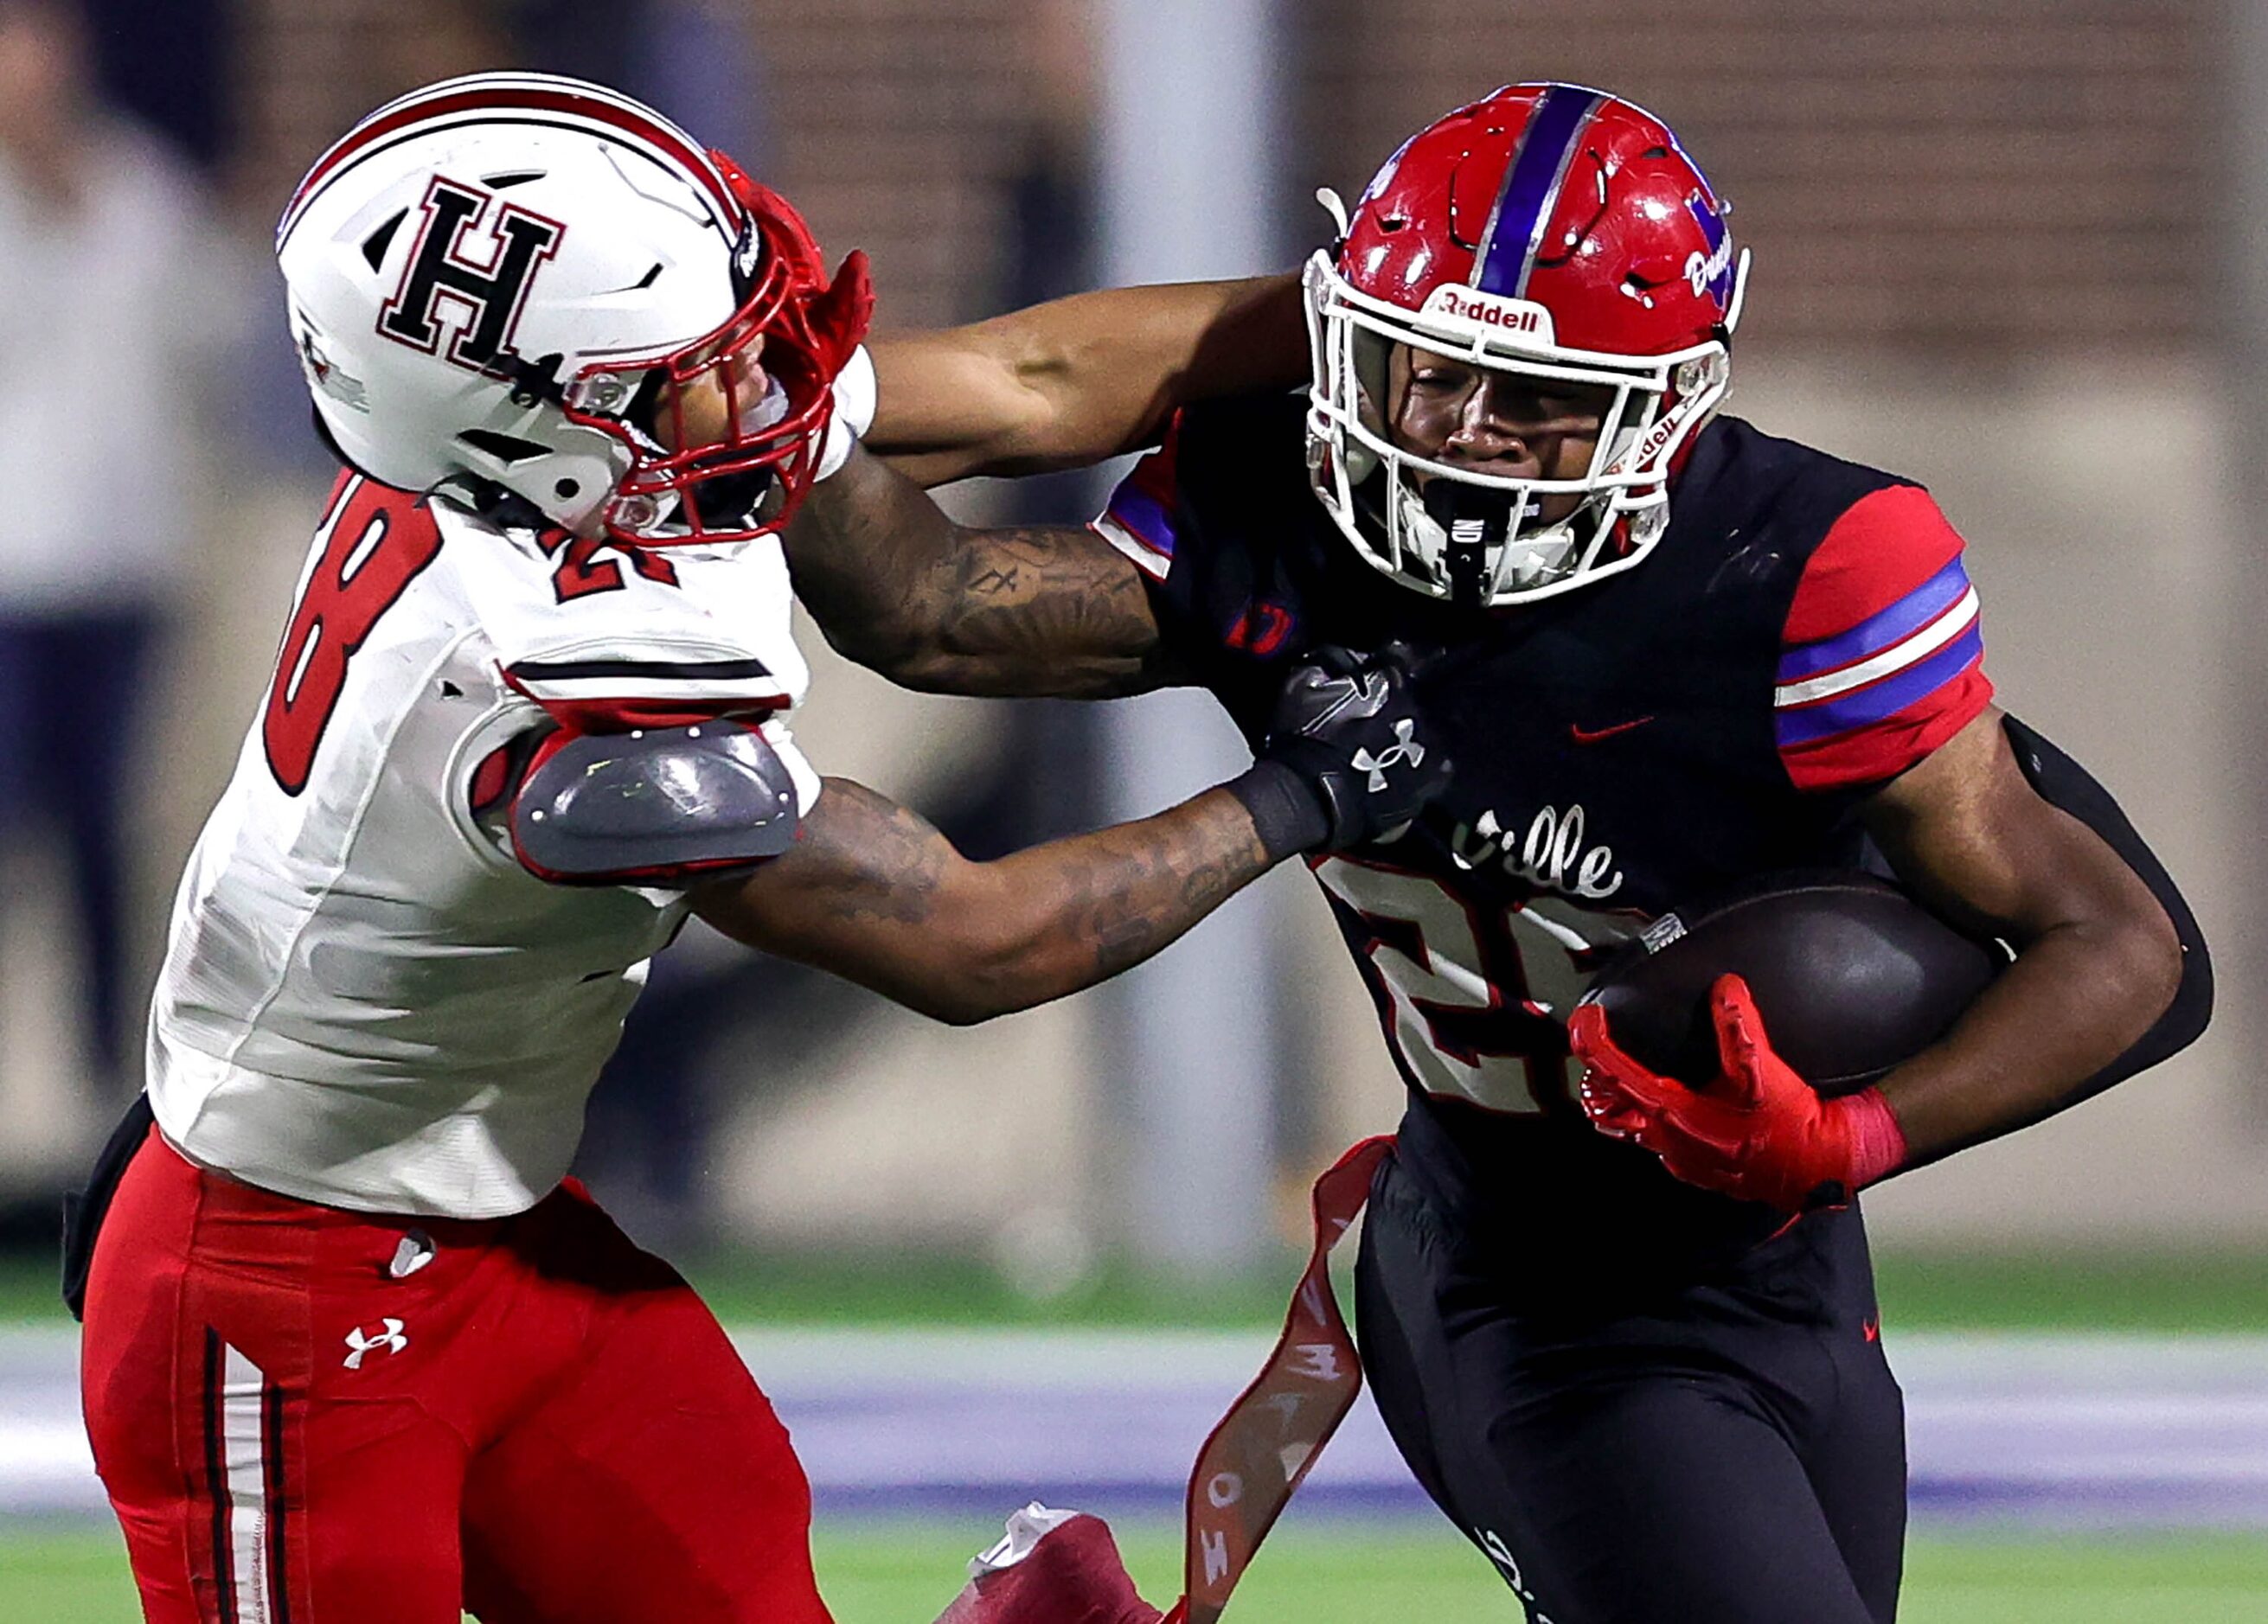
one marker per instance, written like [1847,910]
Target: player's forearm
[1078,911]
[873,893]
[897,586]
[1073,381]
[2075,999]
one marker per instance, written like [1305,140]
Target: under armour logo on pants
[388,1340]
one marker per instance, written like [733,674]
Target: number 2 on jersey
[1464,1014]
[374,543]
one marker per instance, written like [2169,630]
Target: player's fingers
[1708,1128]
[1740,1038]
[1595,1046]
[1609,1105]
[1587,1037]
[1592,1042]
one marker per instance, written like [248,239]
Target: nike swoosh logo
[1591,736]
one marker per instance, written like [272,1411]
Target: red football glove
[1756,1131]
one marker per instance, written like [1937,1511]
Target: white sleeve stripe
[539,669]
[646,686]
[1147,558]
[1897,657]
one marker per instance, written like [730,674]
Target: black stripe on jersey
[216,1481]
[279,1576]
[687,671]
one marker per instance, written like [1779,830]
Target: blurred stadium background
[2012,247]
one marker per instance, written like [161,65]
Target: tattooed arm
[871,891]
[899,587]
[1054,610]
[875,894]
[1075,380]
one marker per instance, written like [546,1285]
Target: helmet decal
[1710,273]
[442,269]
[1531,189]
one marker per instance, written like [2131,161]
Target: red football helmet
[1546,231]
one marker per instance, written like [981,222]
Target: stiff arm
[899,587]
[1068,383]
[873,892]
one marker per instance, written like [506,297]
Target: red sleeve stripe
[1875,754]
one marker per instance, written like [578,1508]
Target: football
[1851,974]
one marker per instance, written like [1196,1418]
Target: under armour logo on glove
[1404,749]
[1351,726]
[388,1340]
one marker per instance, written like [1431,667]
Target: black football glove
[1349,734]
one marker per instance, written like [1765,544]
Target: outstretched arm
[873,892]
[902,588]
[1075,380]
[870,892]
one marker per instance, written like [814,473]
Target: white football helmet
[511,286]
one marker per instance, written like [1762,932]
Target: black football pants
[1733,1454]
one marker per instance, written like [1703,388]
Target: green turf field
[1343,1573]
[2203,1289]
[1346,1574]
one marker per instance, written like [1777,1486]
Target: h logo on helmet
[443,269]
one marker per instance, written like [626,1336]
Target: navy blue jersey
[1803,632]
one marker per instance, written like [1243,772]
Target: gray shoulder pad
[659,804]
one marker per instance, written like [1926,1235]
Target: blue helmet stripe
[1531,188]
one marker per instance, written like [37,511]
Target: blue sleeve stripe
[1865,706]
[1151,520]
[1879,631]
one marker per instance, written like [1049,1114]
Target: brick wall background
[1982,176]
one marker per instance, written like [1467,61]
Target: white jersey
[366,1000]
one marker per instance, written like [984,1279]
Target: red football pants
[299,1422]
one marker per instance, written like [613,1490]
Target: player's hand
[1349,726]
[1756,1131]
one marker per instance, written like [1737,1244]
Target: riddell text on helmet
[1491,310]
